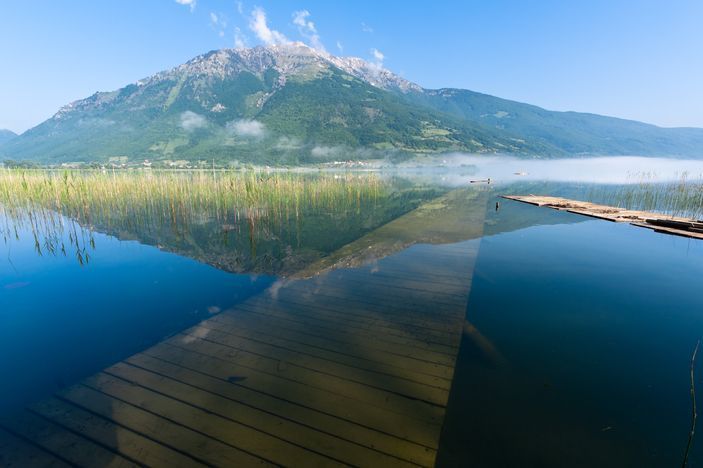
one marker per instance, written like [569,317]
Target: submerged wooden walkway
[350,367]
[679,226]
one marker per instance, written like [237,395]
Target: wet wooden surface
[679,226]
[350,367]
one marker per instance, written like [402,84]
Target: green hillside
[6,135]
[570,132]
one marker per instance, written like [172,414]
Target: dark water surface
[60,320]
[591,328]
[415,327]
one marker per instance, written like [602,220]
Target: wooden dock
[679,226]
[350,367]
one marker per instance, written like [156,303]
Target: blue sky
[638,59]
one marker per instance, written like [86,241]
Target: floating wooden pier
[351,367]
[658,222]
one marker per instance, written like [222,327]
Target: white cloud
[300,19]
[325,151]
[240,7]
[190,3]
[378,58]
[257,23]
[247,128]
[191,121]
[340,47]
[218,22]
[366,28]
[307,29]
[240,41]
[286,143]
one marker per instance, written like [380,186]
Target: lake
[371,319]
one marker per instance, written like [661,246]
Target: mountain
[293,104]
[6,135]
[569,132]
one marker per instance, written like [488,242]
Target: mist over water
[606,170]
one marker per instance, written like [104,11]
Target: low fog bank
[461,168]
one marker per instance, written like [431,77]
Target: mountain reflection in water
[367,319]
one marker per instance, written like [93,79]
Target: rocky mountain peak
[287,59]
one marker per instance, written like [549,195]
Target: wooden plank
[330,319]
[342,331]
[391,268]
[436,277]
[325,321]
[197,445]
[443,261]
[414,302]
[315,442]
[414,388]
[361,318]
[18,453]
[396,361]
[319,420]
[73,448]
[668,230]
[379,418]
[364,284]
[407,301]
[110,434]
[392,358]
[399,288]
[665,224]
[436,320]
[450,279]
[320,374]
[216,426]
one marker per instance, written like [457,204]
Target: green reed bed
[682,197]
[145,199]
[80,190]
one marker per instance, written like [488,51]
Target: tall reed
[147,200]
[681,197]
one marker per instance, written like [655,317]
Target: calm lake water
[410,323]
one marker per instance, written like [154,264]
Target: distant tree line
[12,164]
